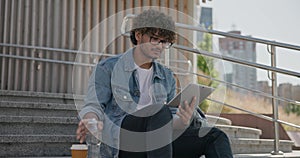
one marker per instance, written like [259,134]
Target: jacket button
[125,97]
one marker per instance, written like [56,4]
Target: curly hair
[151,22]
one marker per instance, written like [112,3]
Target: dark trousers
[191,144]
[151,137]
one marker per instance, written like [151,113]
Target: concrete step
[240,132]
[36,145]
[40,97]
[217,120]
[26,125]
[293,154]
[13,108]
[258,146]
[41,157]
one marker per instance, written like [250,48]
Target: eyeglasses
[157,41]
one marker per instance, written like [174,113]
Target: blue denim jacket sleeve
[99,92]
[172,93]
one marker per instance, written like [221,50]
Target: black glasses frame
[156,41]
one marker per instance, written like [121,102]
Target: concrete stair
[36,124]
[18,108]
[255,146]
[240,132]
[45,124]
[294,154]
[35,145]
[246,142]
[213,120]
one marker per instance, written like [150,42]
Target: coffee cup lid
[79,147]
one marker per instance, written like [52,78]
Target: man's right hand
[82,129]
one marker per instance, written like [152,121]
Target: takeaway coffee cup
[79,151]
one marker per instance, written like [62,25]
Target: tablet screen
[191,90]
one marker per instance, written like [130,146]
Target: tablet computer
[188,92]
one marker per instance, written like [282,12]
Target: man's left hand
[186,112]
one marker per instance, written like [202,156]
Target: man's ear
[138,36]
[132,38]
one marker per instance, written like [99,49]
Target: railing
[260,66]
[265,67]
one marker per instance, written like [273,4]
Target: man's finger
[193,102]
[82,138]
[182,110]
[79,129]
[100,125]
[188,108]
[183,115]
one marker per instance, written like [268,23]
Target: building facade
[205,20]
[244,50]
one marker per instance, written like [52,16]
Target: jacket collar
[130,66]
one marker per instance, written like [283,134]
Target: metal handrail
[273,68]
[239,61]
[46,60]
[256,91]
[237,36]
[255,114]
[249,89]
[51,49]
[66,51]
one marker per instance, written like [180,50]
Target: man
[127,95]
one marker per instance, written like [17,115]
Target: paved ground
[294,154]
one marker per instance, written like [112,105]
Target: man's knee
[212,133]
[216,132]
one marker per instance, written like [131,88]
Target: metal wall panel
[61,24]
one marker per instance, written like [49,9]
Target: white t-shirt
[145,80]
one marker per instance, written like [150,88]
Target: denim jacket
[113,92]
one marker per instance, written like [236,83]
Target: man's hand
[185,113]
[82,129]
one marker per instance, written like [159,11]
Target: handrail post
[275,103]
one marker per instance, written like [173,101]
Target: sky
[275,20]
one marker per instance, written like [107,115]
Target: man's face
[151,46]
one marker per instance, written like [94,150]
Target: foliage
[206,66]
[292,108]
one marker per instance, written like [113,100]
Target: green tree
[206,66]
[293,108]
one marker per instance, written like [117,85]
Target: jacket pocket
[122,94]
[123,102]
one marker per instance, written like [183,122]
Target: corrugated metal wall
[63,25]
